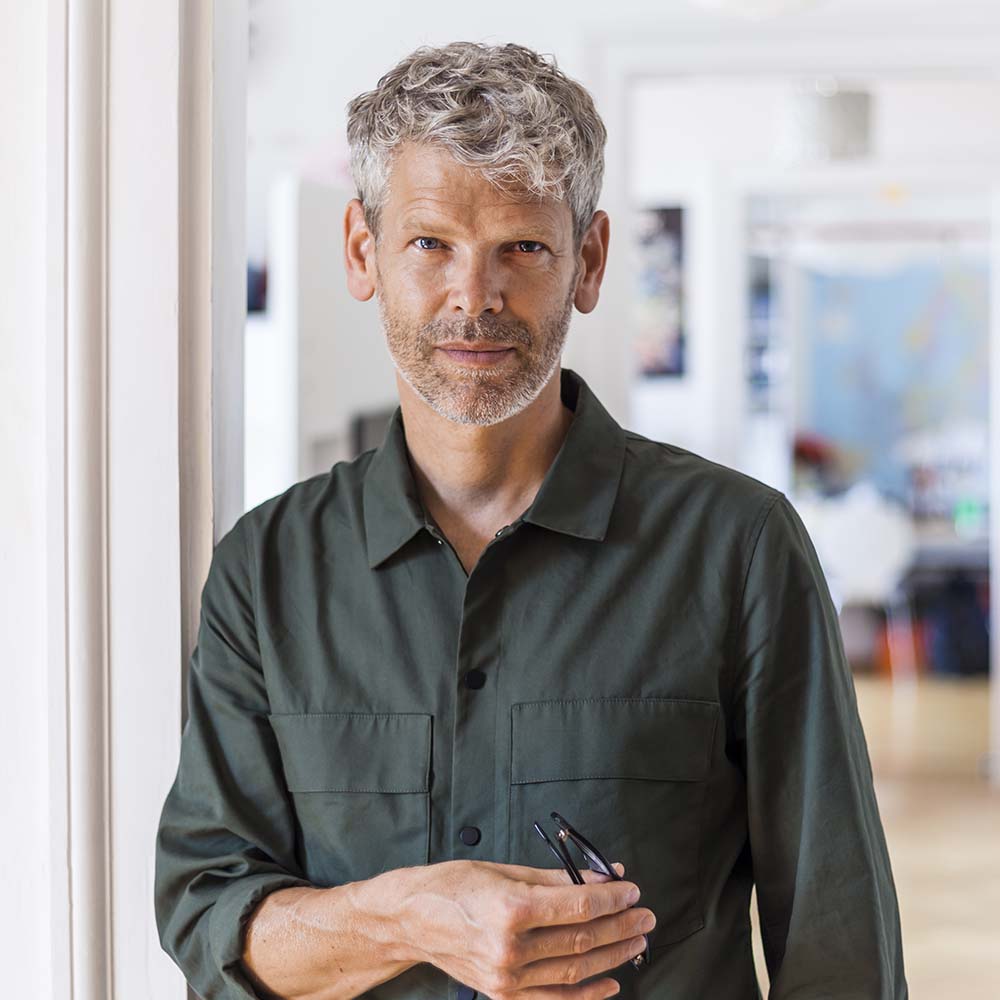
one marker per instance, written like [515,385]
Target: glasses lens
[562,855]
[596,861]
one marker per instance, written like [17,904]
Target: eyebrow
[531,231]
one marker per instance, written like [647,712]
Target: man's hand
[512,931]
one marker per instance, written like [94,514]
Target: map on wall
[891,356]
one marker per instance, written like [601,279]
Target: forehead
[428,183]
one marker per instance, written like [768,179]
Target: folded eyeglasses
[595,861]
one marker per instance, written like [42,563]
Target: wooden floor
[928,744]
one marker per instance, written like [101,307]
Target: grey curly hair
[503,110]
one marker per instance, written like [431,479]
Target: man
[514,607]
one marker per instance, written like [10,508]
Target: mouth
[473,354]
[475,347]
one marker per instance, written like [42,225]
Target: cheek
[420,286]
[539,296]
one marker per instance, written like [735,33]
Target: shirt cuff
[227,927]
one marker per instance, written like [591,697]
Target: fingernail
[633,894]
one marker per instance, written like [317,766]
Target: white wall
[24,916]
[681,124]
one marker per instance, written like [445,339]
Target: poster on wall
[660,320]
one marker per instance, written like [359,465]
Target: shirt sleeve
[825,894]
[226,833]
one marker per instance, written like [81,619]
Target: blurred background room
[804,213]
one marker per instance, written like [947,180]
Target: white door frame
[938,42]
[145,300]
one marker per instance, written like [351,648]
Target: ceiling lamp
[823,121]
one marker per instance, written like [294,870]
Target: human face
[459,262]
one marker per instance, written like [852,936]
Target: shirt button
[475,679]
[501,531]
[467,993]
[469,835]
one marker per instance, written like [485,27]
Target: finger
[570,904]
[603,988]
[549,971]
[575,939]
[599,989]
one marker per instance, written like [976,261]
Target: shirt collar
[576,495]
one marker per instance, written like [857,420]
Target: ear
[359,252]
[593,257]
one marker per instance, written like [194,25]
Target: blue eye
[537,245]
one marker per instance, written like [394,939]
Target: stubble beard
[468,395]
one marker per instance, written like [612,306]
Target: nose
[475,285]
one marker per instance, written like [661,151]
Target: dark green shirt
[650,649]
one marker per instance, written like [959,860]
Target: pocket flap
[355,751]
[662,739]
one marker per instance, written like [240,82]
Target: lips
[479,356]
[475,347]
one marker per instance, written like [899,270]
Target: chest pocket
[630,774]
[360,784]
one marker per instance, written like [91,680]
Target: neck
[481,476]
